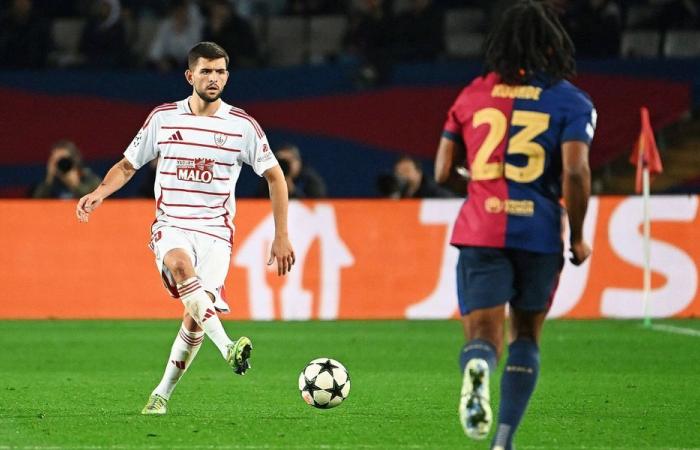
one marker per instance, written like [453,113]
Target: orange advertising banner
[356,259]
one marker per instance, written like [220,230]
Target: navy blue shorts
[488,277]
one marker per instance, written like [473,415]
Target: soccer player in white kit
[201,144]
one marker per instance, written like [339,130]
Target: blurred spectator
[24,37]
[52,9]
[413,184]
[264,8]
[157,8]
[103,42]
[596,28]
[233,33]
[66,177]
[369,39]
[677,14]
[313,7]
[494,9]
[388,186]
[302,181]
[419,32]
[176,35]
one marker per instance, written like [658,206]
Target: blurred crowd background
[262,33]
[376,46]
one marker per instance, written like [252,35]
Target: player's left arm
[576,186]
[282,250]
[578,132]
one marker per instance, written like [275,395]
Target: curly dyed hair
[528,40]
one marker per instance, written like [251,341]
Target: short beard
[208,99]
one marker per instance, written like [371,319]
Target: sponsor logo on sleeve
[137,139]
[265,156]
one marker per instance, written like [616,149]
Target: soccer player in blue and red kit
[525,131]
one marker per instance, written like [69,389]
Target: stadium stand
[146,29]
[464,45]
[287,40]
[313,39]
[66,38]
[656,44]
[464,20]
[462,36]
[325,39]
[639,16]
[682,44]
[640,44]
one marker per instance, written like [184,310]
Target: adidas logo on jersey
[200,170]
[176,136]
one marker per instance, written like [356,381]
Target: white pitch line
[676,330]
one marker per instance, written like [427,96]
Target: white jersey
[199,161]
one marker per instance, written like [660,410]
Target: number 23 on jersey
[533,123]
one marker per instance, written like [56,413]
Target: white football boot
[474,407]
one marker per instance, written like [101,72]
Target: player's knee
[178,266]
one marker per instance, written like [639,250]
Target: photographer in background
[66,177]
[412,183]
[302,181]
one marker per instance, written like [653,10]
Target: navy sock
[478,348]
[517,384]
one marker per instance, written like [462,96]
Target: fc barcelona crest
[219,139]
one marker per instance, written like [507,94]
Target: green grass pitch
[82,384]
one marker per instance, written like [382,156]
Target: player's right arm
[443,160]
[451,151]
[576,184]
[141,150]
[116,177]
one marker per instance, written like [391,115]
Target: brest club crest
[219,139]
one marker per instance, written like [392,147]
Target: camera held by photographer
[66,176]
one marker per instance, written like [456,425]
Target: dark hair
[529,39]
[177,4]
[291,148]
[71,147]
[410,159]
[206,50]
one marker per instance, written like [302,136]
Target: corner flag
[645,154]
[646,157]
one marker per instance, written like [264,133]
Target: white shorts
[210,258]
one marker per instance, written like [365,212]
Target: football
[324,383]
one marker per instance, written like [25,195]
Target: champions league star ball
[324,383]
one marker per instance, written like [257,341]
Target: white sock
[185,348]
[201,308]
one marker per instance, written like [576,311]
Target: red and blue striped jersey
[513,137]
